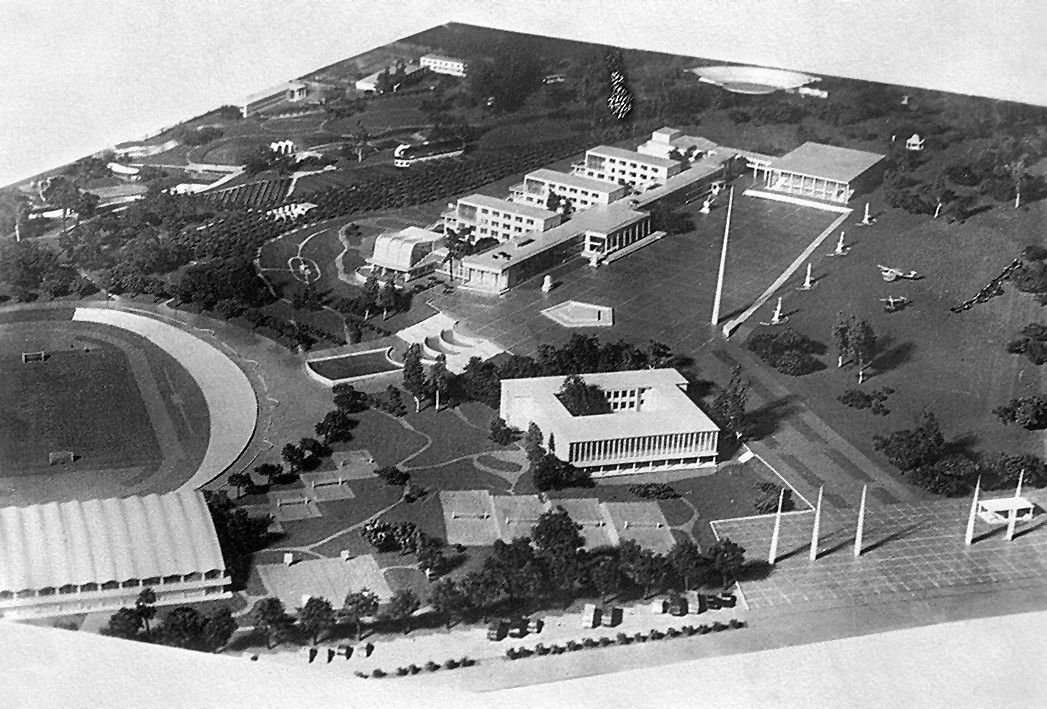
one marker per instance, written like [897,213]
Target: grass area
[411,578]
[86,402]
[427,515]
[451,438]
[353,365]
[459,475]
[384,437]
[952,364]
[371,496]
[498,464]
[676,511]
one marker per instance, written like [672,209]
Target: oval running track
[231,401]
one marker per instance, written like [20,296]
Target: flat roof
[572,180]
[828,161]
[443,57]
[271,91]
[602,218]
[667,408]
[623,154]
[504,205]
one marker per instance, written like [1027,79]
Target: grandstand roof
[398,250]
[97,541]
[826,161]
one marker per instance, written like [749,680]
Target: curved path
[230,398]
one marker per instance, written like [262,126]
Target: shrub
[794,363]
[573,646]
[656,635]
[466,662]
[558,649]
[909,449]
[589,642]
[718,626]
[378,672]
[402,671]
[431,666]
[361,675]
[1029,412]
[703,629]
[640,638]
[622,639]
[673,633]
[414,669]
[511,653]
[654,491]
[736,624]
[502,433]
[541,649]
[605,641]
[788,351]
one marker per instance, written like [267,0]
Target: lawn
[86,402]
[459,475]
[952,364]
[384,437]
[451,437]
[371,496]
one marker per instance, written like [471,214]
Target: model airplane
[891,274]
[892,304]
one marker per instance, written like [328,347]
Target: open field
[134,417]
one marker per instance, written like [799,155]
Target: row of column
[804,185]
[644,447]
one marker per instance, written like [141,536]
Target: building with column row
[581,192]
[444,64]
[491,217]
[653,424]
[821,172]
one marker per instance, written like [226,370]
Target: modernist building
[260,100]
[443,64]
[411,73]
[822,172]
[626,167]
[594,233]
[491,217]
[653,425]
[83,557]
[666,141]
[406,254]
[581,192]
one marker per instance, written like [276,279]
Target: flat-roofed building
[581,192]
[594,233]
[653,424]
[411,73]
[444,64]
[626,167]
[405,254]
[97,555]
[823,172]
[292,91]
[666,141]
[491,217]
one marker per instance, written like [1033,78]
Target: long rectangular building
[626,167]
[491,217]
[653,423]
[97,555]
[581,192]
[823,172]
[592,233]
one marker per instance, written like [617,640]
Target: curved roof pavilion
[403,250]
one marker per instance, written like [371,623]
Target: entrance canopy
[998,511]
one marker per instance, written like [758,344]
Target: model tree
[125,624]
[439,379]
[414,375]
[219,627]
[908,449]
[688,562]
[271,621]
[145,607]
[862,341]
[400,608]
[370,294]
[534,443]
[841,338]
[270,471]
[359,605]
[449,600]
[240,480]
[293,456]
[388,297]
[583,399]
[182,627]
[729,405]
[316,618]
[726,559]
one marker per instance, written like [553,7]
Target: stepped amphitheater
[441,335]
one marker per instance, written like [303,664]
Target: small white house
[914,143]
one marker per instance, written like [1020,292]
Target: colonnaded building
[608,196]
[653,424]
[97,555]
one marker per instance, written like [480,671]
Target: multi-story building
[491,217]
[626,167]
[97,555]
[668,142]
[581,192]
[292,91]
[593,233]
[653,424]
[443,64]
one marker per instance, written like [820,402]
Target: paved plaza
[664,291]
[912,550]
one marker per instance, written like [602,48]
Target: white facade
[405,254]
[490,217]
[626,167]
[85,557]
[442,64]
[581,192]
[653,424]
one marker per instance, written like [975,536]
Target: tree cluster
[728,408]
[550,567]
[508,77]
[875,400]
[1032,343]
[582,399]
[855,343]
[788,351]
[654,491]
[502,433]
[239,534]
[183,626]
[1029,412]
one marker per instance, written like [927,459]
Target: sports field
[134,418]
